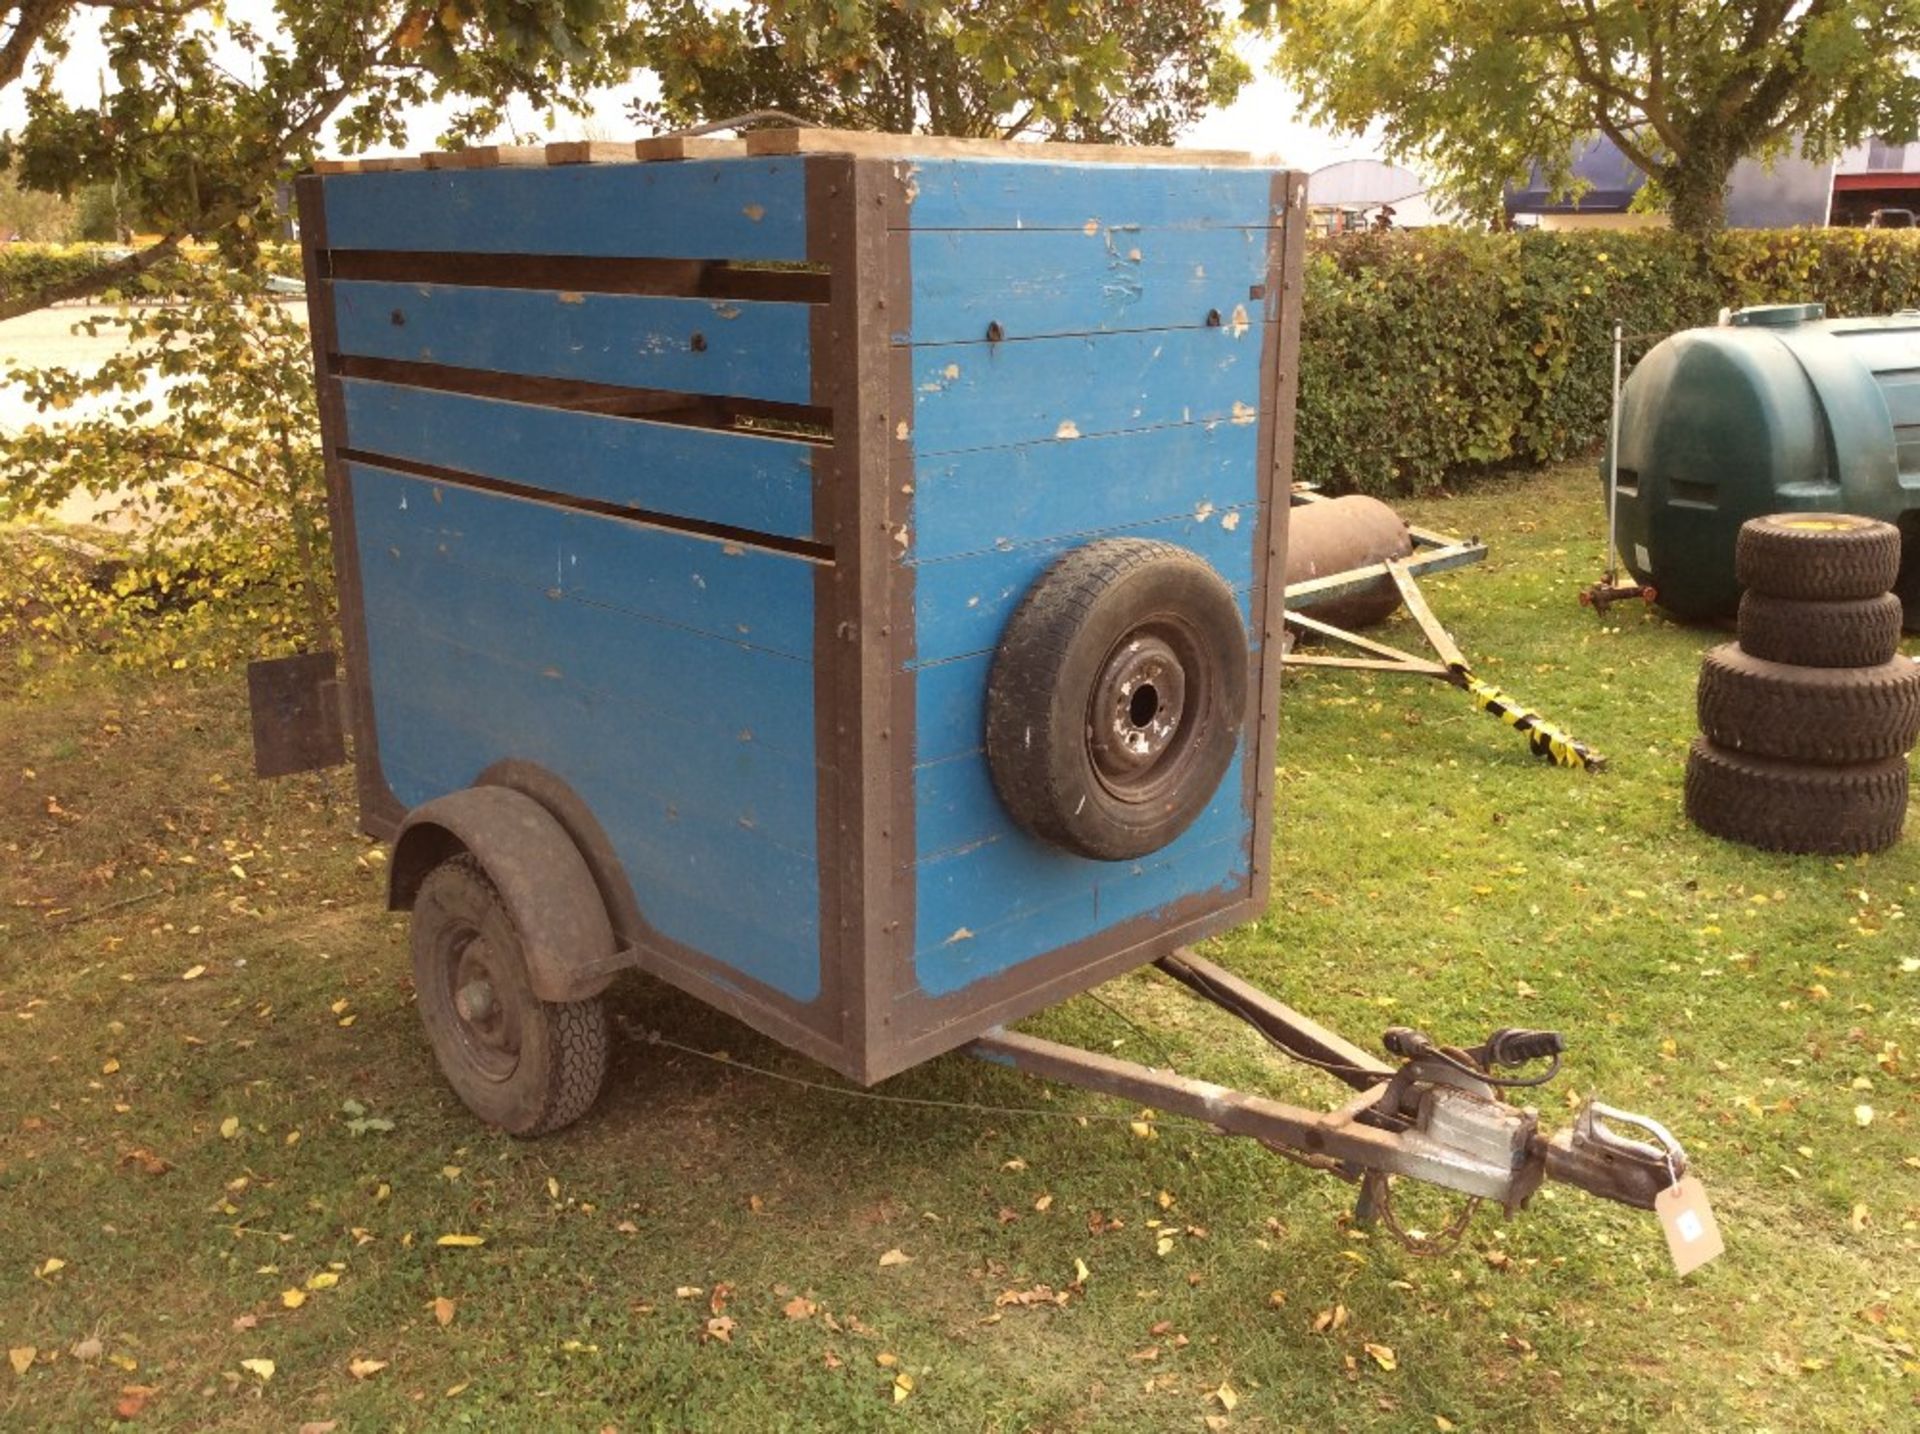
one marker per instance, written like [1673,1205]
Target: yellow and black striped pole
[1543,737]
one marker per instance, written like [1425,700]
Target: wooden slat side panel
[974,194]
[981,395]
[752,481]
[747,596]
[1034,283]
[469,670]
[707,346]
[721,209]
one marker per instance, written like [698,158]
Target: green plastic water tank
[1778,410]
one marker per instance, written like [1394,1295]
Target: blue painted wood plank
[743,480]
[685,873]
[737,348]
[986,908]
[950,707]
[993,395]
[961,605]
[1020,194]
[750,595]
[696,819]
[691,686]
[702,775]
[1044,282]
[1004,497]
[731,209]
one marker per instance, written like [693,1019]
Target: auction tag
[1693,1235]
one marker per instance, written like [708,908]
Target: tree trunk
[1697,190]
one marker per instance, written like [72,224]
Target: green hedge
[1434,355]
[29,268]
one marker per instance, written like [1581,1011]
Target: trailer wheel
[1861,632]
[1821,557]
[523,1064]
[1116,698]
[1795,807]
[1808,714]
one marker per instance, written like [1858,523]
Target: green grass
[1429,872]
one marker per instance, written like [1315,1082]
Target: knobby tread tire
[1818,557]
[1860,632]
[1794,807]
[564,1043]
[1830,715]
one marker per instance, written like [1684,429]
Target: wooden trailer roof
[796,141]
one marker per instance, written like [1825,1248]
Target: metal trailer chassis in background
[769,442]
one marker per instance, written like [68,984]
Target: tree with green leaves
[201,116]
[1685,89]
[1139,71]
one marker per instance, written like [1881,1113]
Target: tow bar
[1439,1116]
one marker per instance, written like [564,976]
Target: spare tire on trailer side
[1822,557]
[1116,698]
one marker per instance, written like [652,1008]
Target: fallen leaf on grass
[688,1292]
[460,1242]
[1226,1397]
[133,1400]
[1043,1204]
[261,1367]
[902,1386]
[319,1426]
[799,1307]
[245,1322]
[230,1127]
[1330,1319]
[886,1360]
[443,1310]
[193,973]
[21,1357]
[88,1349]
[53,1266]
[1382,1356]
[124,1362]
[1444,1424]
[365,1368]
[1081,1274]
[720,1327]
[110,1066]
[145,1161]
[895,1257]
[324,1280]
[1857,1221]
[1038,1295]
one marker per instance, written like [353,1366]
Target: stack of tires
[1806,721]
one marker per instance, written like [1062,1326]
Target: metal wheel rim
[1147,709]
[486,1021]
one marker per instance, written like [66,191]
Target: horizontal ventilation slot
[746,538]
[808,423]
[1692,492]
[1627,482]
[678,278]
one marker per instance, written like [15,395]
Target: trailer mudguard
[569,944]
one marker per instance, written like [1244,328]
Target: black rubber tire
[557,1059]
[1818,557]
[1095,622]
[1829,715]
[1861,632]
[1794,807]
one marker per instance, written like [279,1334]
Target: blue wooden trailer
[839,575]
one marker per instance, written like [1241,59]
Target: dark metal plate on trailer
[295,705]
